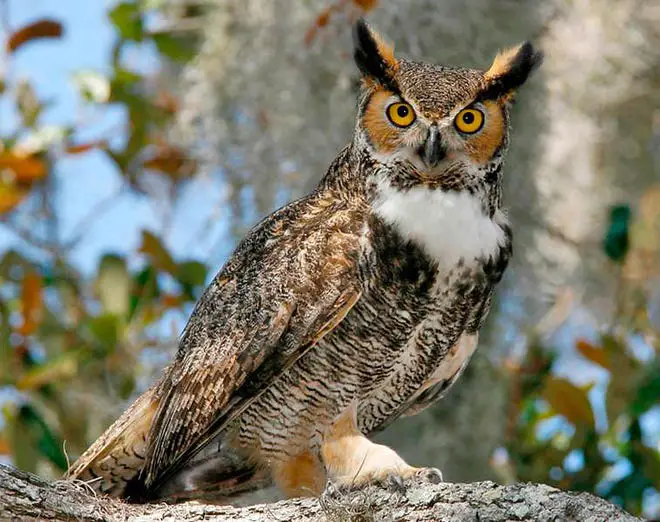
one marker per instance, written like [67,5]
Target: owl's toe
[333,490]
[430,475]
[400,480]
[395,482]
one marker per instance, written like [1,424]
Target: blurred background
[139,140]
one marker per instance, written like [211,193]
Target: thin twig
[94,214]
[181,26]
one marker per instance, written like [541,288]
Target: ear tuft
[510,69]
[373,56]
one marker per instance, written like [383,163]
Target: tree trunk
[26,497]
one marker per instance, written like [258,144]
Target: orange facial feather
[381,133]
[483,145]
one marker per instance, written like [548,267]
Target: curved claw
[430,475]
[395,482]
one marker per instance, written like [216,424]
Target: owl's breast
[451,226]
[389,348]
[423,316]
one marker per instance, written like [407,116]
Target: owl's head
[441,124]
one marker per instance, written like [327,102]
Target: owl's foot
[353,461]
[395,479]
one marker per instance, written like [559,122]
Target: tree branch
[26,497]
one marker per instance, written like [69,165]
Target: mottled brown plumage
[339,312]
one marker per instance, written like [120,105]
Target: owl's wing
[292,281]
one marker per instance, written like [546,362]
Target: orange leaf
[10,196]
[4,447]
[84,147]
[321,21]
[24,168]
[171,301]
[171,160]
[39,29]
[594,354]
[366,5]
[31,303]
[568,400]
[167,102]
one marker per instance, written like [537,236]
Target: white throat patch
[447,225]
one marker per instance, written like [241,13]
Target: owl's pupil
[402,111]
[468,118]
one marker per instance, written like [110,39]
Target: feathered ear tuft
[510,69]
[373,56]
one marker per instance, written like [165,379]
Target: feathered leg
[352,460]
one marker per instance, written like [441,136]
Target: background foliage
[567,385]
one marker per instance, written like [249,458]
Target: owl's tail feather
[218,478]
[112,465]
[117,456]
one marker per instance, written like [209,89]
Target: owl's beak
[434,151]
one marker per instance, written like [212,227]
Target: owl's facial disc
[440,120]
[434,143]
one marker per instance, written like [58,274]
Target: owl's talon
[430,475]
[332,490]
[353,462]
[395,482]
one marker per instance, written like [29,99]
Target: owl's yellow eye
[469,121]
[401,114]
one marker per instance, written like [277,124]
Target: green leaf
[105,328]
[59,369]
[623,379]
[191,273]
[126,17]
[616,240]
[650,463]
[157,253]
[24,452]
[13,265]
[145,288]
[153,4]
[6,349]
[138,115]
[568,400]
[114,285]
[28,103]
[126,386]
[126,77]
[648,393]
[48,444]
[176,49]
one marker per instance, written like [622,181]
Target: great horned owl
[341,311]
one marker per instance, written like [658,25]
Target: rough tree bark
[26,497]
